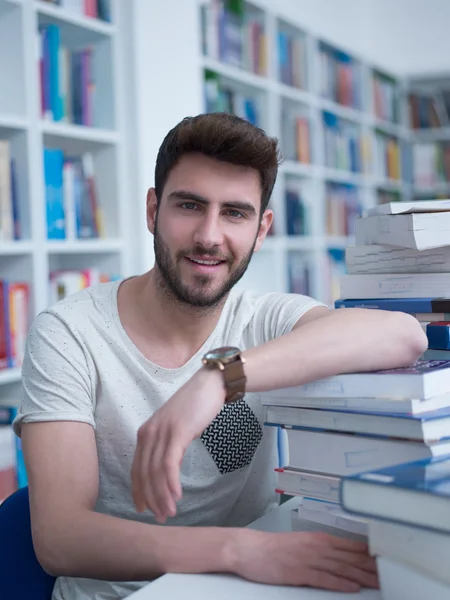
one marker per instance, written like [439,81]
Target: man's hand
[303,559]
[163,439]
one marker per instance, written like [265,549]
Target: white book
[399,582]
[413,406]
[340,454]
[387,259]
[428,427]
[301,523]
[394,285]
[304,483]
[395,208]
[428,551]
[425,379]
[337,518]
[413,230]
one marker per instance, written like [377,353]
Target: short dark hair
[225,137]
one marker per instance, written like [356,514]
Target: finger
[149,480]
[329,581]
[341,543]
[162,493]
[357,559]
[349,572]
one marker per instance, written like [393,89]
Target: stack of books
[408,507]
[351,423]
[401,261]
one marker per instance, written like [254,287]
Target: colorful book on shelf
[15,298]
[415,493]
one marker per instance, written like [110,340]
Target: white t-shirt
[80,365]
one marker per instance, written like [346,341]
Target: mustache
[212,253]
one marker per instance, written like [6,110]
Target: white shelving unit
[32,258]
[269,268]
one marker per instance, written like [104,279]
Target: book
[412,406]
[411,230]
[300,522]
[399,582]
[339,454]
[422,549]
[387,259]
[304,483]
[425,379]
[438,334]
[395,285]
[408,305]
[418,206]
[426,427]
[416,493]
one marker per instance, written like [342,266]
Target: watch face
[222,353]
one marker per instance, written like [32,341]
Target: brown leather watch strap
[235,380]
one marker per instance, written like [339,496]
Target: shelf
[84,246]
[389,128]
[344,112]
[339,241]
[341,176]
[240,75]
[12,122]
[291,167]
[431,135]
[79,132]
[94,29]
[9,376]
[438,188]
[295,94]
[16,248]
[6,5]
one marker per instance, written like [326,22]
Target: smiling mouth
[207,263]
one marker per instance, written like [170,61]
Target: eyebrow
[234,204]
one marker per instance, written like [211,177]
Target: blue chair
[21,575]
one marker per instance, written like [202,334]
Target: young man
[124,428]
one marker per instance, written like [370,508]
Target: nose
[208,232]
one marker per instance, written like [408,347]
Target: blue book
[438,334]
[416,493]
[408,305]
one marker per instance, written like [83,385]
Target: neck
[170,321]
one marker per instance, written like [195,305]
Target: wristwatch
[230,362]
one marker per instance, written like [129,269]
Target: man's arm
[71,539]
[327,343]
[321,345]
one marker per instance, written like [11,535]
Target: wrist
[212,379]
[238,549]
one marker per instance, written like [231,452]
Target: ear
[152,207]
[264,227]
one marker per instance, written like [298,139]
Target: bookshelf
[343,130]
[94,129]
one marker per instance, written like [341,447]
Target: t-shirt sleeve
[277,313]
[56,375]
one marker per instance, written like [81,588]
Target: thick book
[395,285]
[300,522]
[387,406]
[414,230]
[416,493]
[339,454]
[418,206]
[428,427]
[305,483]
[387,259]
[438,334]
[425,379]
[400,582]
[408,305]
[421,549]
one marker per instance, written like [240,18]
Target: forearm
[99,546]
[345,341]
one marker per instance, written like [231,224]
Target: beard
[200,294]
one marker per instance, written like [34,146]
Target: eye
[189,206]
[235,214]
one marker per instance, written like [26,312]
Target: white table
[226,587]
